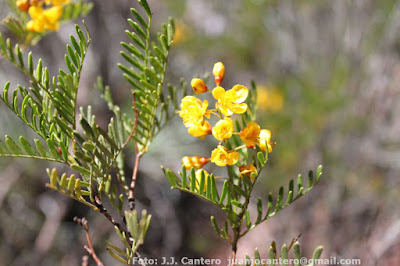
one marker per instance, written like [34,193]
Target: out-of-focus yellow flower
[198,86]
[193,110]
[248,170]
[269,98]
[221,157]
[265,141]
[250,134]
[219,73]
[200,130]
[44,19]
[23,5]
[57,2]
[231,101]
[182,32]
[223,129]
[196,162]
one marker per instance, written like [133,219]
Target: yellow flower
[265,141]
[231,101]
[196,162]
[200,130]
[198,179]
[250,134]
[219,73]
[221,157]
[248,170]
[198,86]
[57,2]
[223,129]
[193,110]
[182,32]
[22,5]
[44,19]
[269,98]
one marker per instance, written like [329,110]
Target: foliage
[48,105]
[235,195]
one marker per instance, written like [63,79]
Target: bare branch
[84,223]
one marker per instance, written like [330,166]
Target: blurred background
[328,75]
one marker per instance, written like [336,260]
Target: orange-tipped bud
[219,73]
[23,5]
[199,86]
[196,162]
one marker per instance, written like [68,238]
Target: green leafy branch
[273,256]
[137,229]
[145,71]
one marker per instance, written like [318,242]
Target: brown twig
[133,131]
[85,260]
[131,194]
[233,261]
[84,223]
[104,211]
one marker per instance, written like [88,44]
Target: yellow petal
[53,14]
[233,157]
[35,12]
[224,109]
[223,129]
[250,134]
[238,93]
[238,108]
[218,93]
[200,130]
[265,140]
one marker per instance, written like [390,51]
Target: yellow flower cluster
[45,14]
[194,113]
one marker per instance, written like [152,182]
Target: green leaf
[71,183]
[214,225]
[115,256]
[40,148]
[317,252]
[53,178]
[139,18]
[261,158]
[80,169]
[26,146]
[12,146]
[257,257]
[318,173]
[296,253]
[171,178]
[284,254]
[145,6]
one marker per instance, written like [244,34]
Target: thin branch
[85,260]
[104,211]
[133,131]
[84,223]
[131,194]
[233,260]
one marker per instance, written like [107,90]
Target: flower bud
[198,86]
[196,162]
[23,5]
[219,73]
